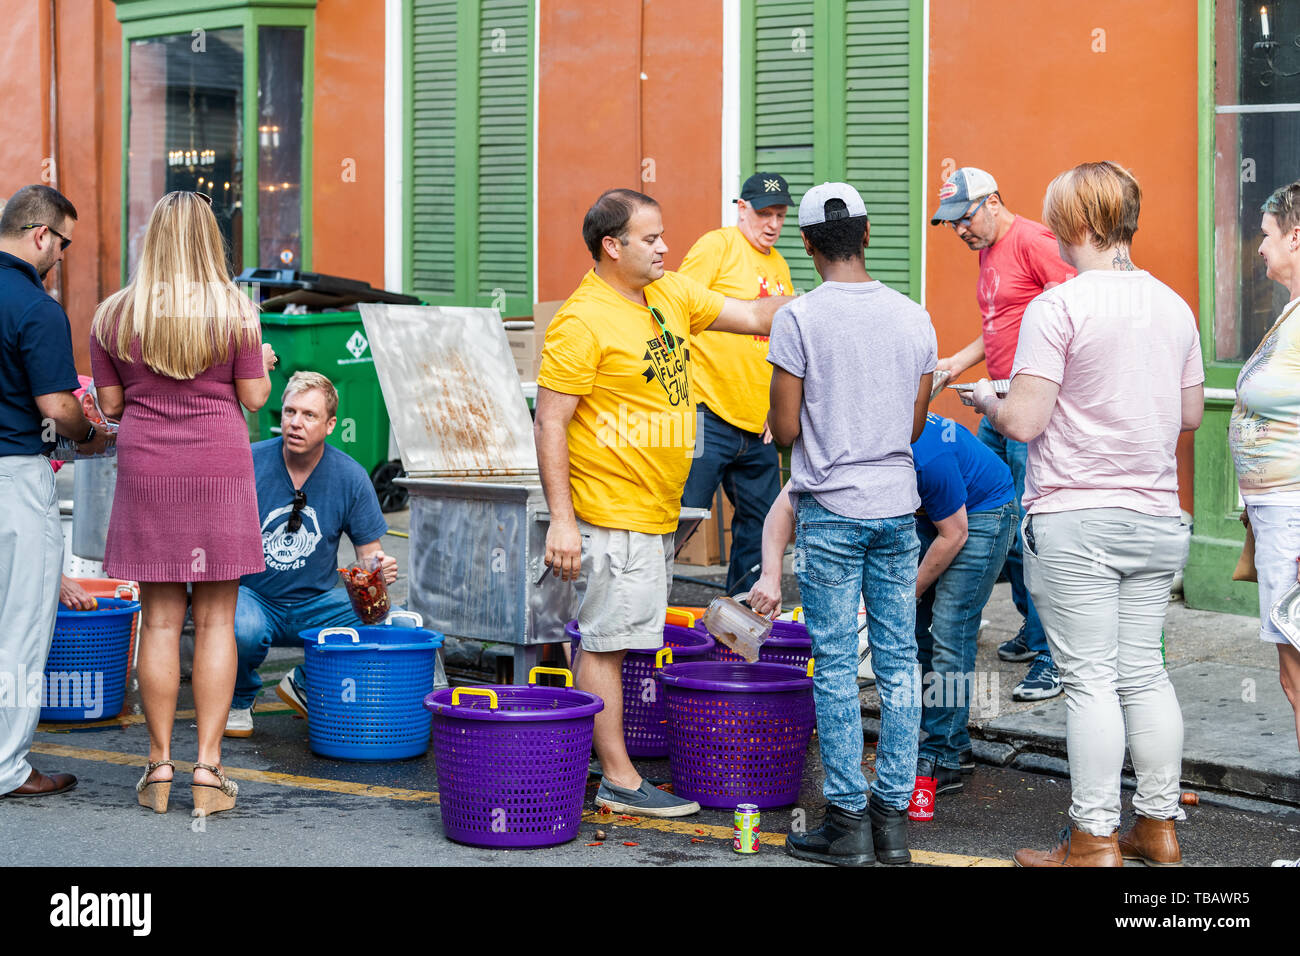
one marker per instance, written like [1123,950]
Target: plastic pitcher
[737,627]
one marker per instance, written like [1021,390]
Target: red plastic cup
[922,805]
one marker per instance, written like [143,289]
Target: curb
[1038,753]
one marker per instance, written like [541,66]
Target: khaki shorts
[626,576]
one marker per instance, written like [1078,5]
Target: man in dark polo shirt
[37,379]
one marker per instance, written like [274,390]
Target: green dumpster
[334,344]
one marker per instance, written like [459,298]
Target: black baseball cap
[766,189]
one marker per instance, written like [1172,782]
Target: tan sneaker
[240,722]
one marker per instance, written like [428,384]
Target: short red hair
[1094,201]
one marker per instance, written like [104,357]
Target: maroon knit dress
[185,508]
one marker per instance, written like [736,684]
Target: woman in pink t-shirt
[1107,374]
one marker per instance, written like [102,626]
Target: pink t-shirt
[1012,271]
[1122,346]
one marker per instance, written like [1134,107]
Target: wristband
[89,435]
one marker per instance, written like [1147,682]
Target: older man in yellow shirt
[615,432]
[732,374]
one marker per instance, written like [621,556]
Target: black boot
[946,781]
[843,839]
[888,832]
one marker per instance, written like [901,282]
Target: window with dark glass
[185,133]
[1257,145]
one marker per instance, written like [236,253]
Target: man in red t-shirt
[1019,259]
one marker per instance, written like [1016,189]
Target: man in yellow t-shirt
[732,374]
[615,431]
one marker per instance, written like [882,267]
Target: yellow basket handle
[679,616]
[491,695]
[796,613]
[810,666]
[558,671]
[665,653]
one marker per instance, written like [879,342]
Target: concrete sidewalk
[1239,732]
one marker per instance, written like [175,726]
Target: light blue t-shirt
[340,498]
[861,349]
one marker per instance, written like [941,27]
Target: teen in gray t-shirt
[860,348]
[850,388]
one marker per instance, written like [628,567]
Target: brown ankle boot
[1074,848]
[1151,841]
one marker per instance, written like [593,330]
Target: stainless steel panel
[478,550]
[451,389]
[94,482]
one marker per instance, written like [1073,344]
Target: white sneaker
[240,722]
[1295,863]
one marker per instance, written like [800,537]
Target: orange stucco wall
[598,121]
[87,156]
[348,125]
[1035,96]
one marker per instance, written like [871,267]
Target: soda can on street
[746,828]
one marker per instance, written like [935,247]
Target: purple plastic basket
[737,733]
[645,719]
[514,776]
[788,644]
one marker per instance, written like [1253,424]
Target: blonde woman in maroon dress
[175,354]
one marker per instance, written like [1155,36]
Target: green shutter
[877,148]
[847,108]
[505,105]
[433,148]
[782,113]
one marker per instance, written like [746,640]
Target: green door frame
[1218,533]
[142,19]
[829,106]
[469,40]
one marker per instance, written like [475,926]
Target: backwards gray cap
[812,208]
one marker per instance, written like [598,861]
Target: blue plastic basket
[365,689]
[85,672]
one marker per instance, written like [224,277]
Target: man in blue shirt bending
[308,494]
[966,523]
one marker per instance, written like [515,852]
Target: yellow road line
[611,820]
[240,773]
[128,720]
[927,857]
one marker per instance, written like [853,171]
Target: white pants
[31,562]
[1100,580]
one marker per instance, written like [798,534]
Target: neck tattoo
[1121,261]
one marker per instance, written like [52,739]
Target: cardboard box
[526,344]
[703,549]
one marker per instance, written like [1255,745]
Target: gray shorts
[624,585]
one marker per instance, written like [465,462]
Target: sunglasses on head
[36,225]
[295,517]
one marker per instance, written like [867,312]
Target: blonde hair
[305,382]
[181,304]
[1097,201]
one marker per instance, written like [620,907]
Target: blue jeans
[261,624]
[1016,454]
[750,472]
[838,560]
[947,625]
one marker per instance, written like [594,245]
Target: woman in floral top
[1264,434]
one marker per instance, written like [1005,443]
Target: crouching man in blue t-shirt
[966,523]
[308,494]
